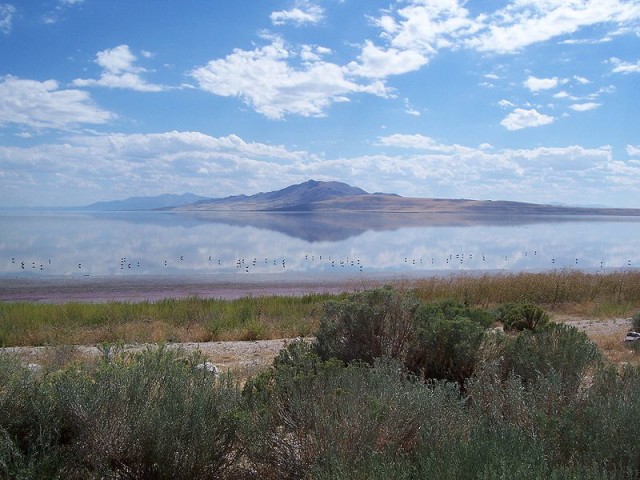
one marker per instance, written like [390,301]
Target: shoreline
[152,288]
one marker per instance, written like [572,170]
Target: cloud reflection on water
[141,243]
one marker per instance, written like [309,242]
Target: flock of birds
[312,261]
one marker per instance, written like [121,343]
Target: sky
[526,100]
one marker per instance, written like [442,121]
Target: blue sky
[525,100]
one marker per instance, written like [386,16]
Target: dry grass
[561,293]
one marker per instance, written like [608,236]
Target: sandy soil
[245,359]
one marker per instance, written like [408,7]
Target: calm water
[120,244]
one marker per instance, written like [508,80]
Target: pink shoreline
[149,288]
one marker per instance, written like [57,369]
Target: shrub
[439,340]
[521,316]
[446,349]
[556,348]
[328,417]
[150,415]
[368,325]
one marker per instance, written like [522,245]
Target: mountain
[293,198]
[167,200]
[314,196]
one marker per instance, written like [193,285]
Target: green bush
[446,349]
[439,340]
[151,415]
[328,417]
[522,316]
[368,325]
[556,348]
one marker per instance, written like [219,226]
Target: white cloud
[265,80]
[563,94]
[304,12]
[584,107]
[420,142]
[521,118]
[375,62]
[426,27]
[527,22]
[633,150]
[581,80]
[409,109]
[6,17]
[505,104]
[44,105]
[119,71]
[624,67]
[536,84]
[192,161]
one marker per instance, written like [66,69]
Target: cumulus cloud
[584,107]
[427,27]
[375,62]
[266,80]
[44,105]
[193,161]
[527,22]
[633,150]
[624,67]
[536,84]
[6,17]
[419,142]
[304,12]
[521,118]
[119,71]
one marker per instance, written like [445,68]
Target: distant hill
[164,201]
[294,197]
[315,196]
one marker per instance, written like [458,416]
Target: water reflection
[185,244]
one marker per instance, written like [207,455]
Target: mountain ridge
[334,197]
[317,196]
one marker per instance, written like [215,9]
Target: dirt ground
[247,358]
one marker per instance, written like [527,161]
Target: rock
[209,367]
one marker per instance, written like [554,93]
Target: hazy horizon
[524,101]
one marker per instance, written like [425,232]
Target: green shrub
[439,340]
[446,349]
[522,316]
[328,417]
[150,415]
[557,348]
[368,325]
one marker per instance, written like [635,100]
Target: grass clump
[521,316]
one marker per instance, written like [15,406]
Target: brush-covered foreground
[393,387]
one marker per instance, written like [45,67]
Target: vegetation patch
[392,386]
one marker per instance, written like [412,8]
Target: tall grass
[596,292]
[170,320]
[253,318]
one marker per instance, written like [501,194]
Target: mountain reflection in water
[188,243]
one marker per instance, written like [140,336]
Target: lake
[185,244]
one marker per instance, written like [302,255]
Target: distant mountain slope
[314,196]
[166,200]
[294,197]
